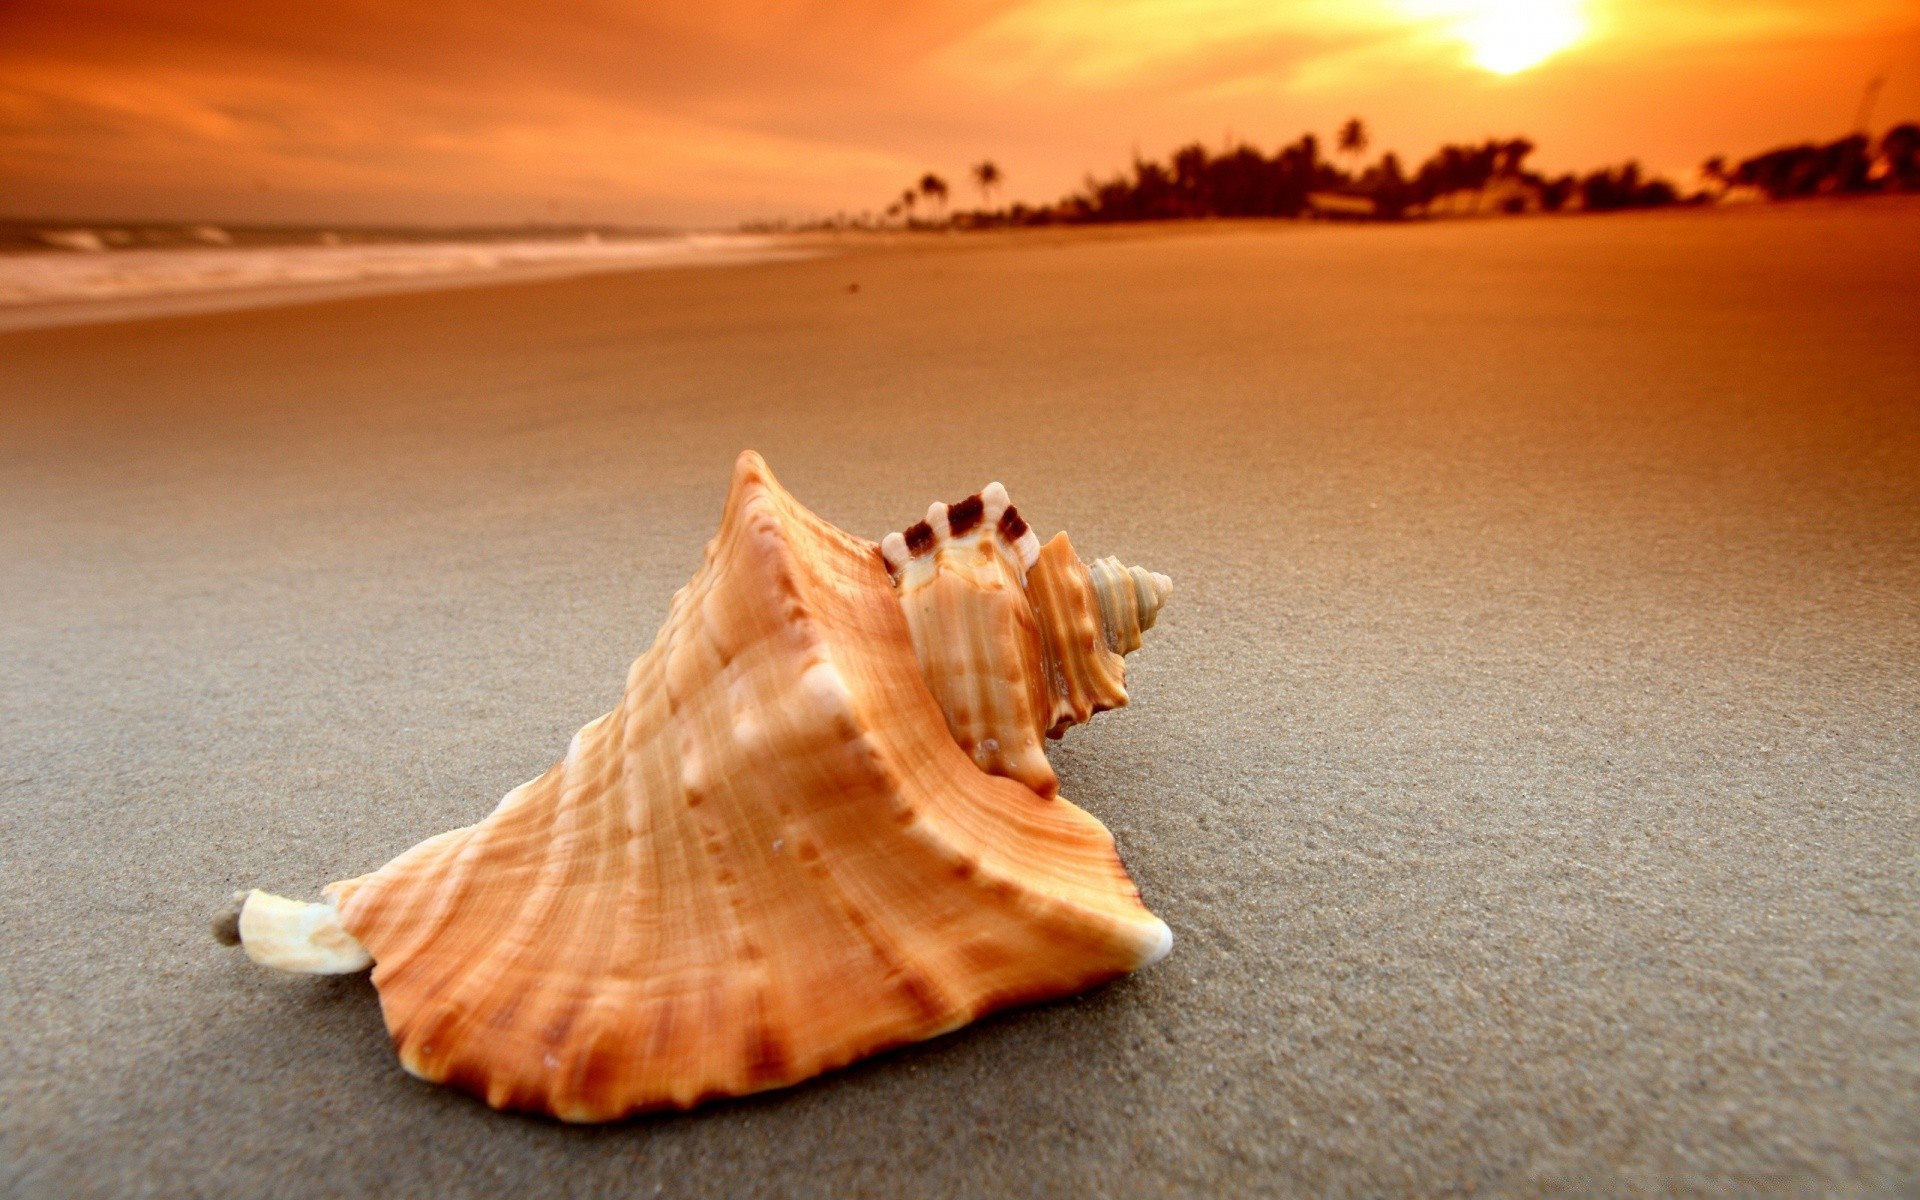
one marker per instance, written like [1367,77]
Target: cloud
[499,106]
[679,111]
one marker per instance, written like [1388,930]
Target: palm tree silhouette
[934,188]
[986,177]
[905,203]
[1715,172]
[1353,139]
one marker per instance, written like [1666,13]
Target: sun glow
[1508,36]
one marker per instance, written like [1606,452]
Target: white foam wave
[54,277]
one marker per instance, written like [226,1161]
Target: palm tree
[1715,172]
[1509,155]
[986,177]
[905,203]
[934,188]
[1353,138]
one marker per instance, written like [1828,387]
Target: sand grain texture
[1525,763]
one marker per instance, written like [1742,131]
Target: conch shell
[772,857]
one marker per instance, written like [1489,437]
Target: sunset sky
[700,112]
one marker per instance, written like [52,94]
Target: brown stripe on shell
[962,517]
[1011,526]
[770,1058]
[919,538]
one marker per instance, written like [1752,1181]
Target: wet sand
[1526,762]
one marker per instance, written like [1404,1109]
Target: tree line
[1298,180]
[1851,166]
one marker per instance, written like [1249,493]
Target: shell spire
[769,860]
[1130,601]
[1018,641]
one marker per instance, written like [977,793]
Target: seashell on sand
[772,857]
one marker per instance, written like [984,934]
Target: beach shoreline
[57,288]
[733,250]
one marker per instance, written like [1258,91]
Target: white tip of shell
[1162,584]
[993,499]
[1028,548]
[894,548]
[937,521]
[1159,945]
[293,935]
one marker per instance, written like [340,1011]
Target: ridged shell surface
[1017,641]
[770,859]
[962,580]
[1085,673]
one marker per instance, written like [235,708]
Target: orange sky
[708,111]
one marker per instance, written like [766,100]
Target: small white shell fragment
[296,936]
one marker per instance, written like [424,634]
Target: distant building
[1338,206]
[1503,195]
[84,240]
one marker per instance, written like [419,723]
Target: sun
[1508,36]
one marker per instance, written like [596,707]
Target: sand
[1526,763]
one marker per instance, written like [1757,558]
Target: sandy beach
[1526,763]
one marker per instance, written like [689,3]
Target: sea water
[88,271]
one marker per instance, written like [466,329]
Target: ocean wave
[57,276]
